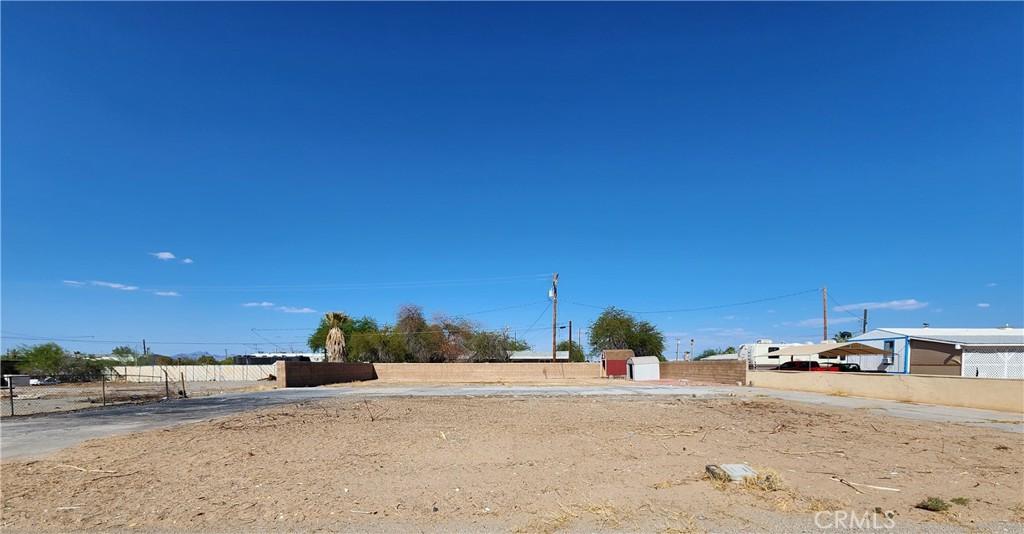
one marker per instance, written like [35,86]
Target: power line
[840,307]
[703,308]
[537,319]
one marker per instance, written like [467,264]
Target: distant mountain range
[193,355]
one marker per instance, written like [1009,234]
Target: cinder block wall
[306,374]
[717,371]
[485,372]
[1006,395]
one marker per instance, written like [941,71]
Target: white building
[967,352]
[759,354]
[643,368]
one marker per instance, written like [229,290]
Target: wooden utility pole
[824,313]
[570,340]
[677,349]
[554,315]
[864,323]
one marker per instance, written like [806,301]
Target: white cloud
[187,261]
[113,285]
[817,321]
[263,304]
[983,305]
[991,284]
[73,283]
[290,309]
[167,293]
[905,304]
[163,255]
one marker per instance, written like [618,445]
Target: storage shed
[643,368]
[614,361]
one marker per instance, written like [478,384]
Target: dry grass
[766,480]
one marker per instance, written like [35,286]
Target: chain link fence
[23,395]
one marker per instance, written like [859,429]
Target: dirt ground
[523,464]
[30,400]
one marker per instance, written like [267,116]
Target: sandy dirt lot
[537,464]
[30,400]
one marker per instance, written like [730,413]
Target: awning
[828,350]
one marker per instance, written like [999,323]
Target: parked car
[848,367]
[808,366]
[48,381]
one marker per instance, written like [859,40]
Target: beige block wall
[982,393]
[485,372]
[193,373]
[716,371]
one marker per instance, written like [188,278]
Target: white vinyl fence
[193,373]
[993,362]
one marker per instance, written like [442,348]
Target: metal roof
[828,349]
[644,360]
[963,336]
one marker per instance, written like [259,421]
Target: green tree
[380,345]
[349,327]
[843,337]
[493,346]
[575,351]
[125,355]
[206,359]
[616,329]
[45,359]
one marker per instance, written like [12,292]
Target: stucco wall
[718,371]
[306,374]
[983,393]
[485,372]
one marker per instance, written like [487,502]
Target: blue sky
[357,157]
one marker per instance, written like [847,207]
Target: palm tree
[842,337]
[335,346]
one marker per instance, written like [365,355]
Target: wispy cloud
[167,293]
[187,261]
[263,304]
[817,321]
[983,305]
[73,283]
[290,309]
[113,285]
[165,256]
[991,284]
[904,304]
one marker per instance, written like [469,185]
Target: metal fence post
[103,387]
[184,394]
[10,386]
[167,385]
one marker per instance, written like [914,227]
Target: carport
[832,351]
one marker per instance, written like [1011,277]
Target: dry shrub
[824,505]
[766,480]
